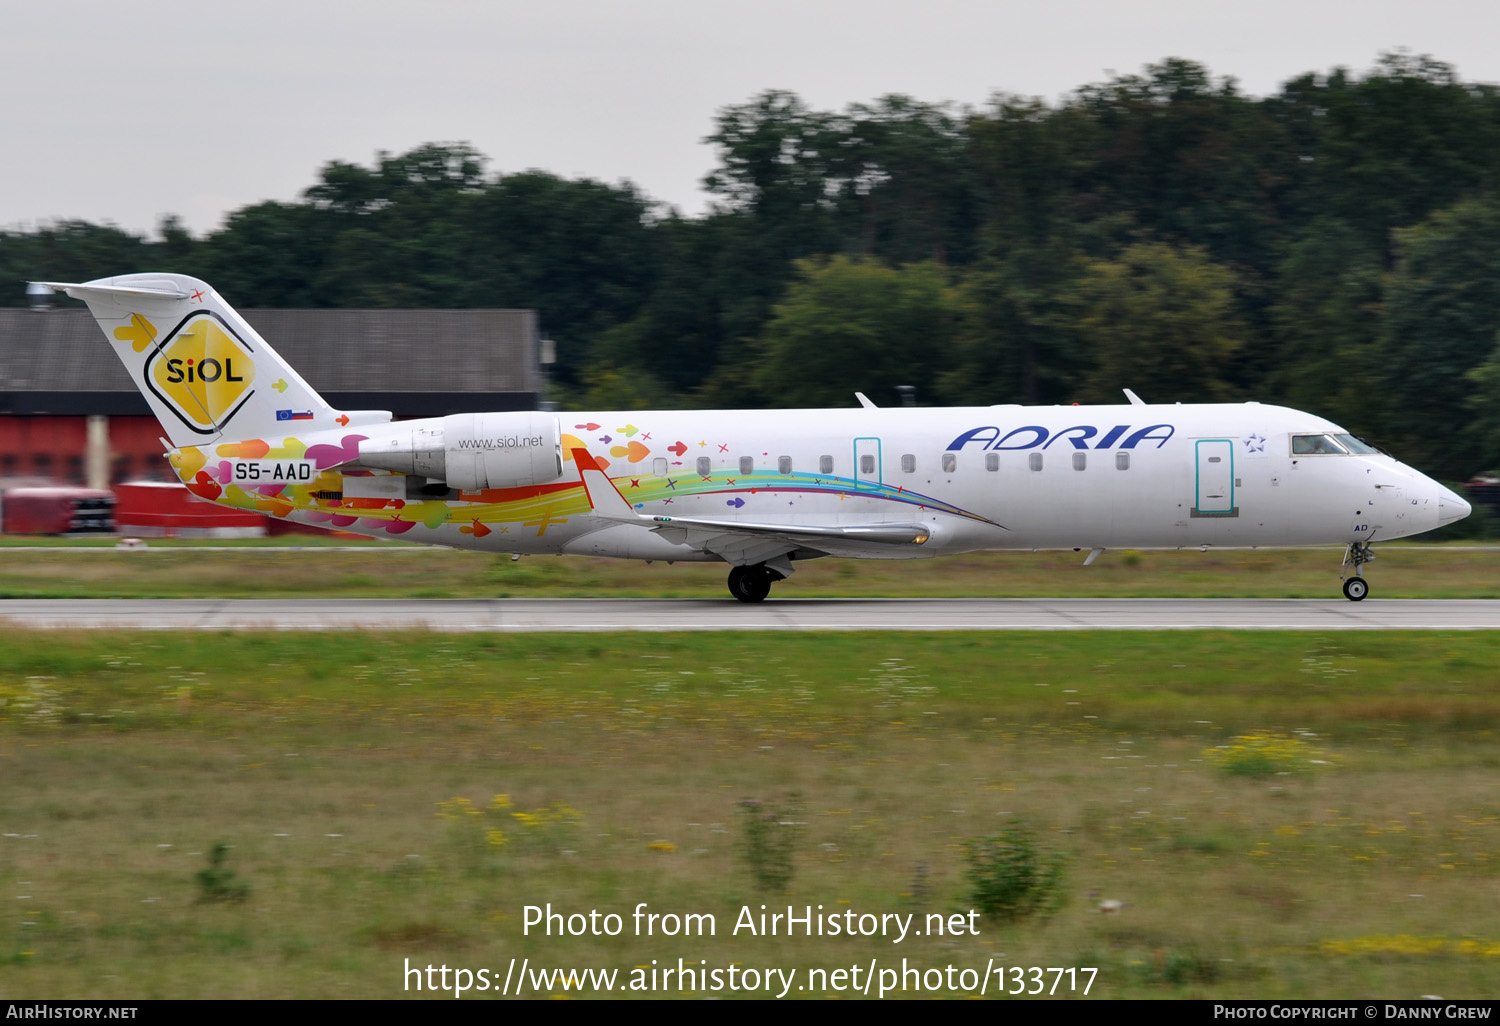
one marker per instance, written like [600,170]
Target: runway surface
[530,615]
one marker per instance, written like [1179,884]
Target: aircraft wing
[743,542]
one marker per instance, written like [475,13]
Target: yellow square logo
[203,372]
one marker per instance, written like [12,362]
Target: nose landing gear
[1357,555]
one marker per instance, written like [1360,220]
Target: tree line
[1334,247]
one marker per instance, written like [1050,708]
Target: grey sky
[122,113]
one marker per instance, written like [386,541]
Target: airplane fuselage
[1003,477]
[759,489]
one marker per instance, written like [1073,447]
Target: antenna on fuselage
[1135,400]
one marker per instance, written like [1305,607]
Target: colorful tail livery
[757,490]
[203,369]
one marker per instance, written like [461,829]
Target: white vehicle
[757,489]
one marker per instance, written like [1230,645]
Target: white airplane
[758,489]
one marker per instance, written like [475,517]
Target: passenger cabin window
[992,461]
[659,466]
[1080,460]
[1034,460]
[747,465]
[1122,461]
[908,463]
[950,462]
[825,464]
[705,466]
[783,464]
[1317,445]
[867,464]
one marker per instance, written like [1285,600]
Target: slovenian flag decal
[294,415]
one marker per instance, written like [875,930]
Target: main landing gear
[1358,554]
[752,583]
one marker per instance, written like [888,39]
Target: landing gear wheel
[751,583]
[736,582]
[1357,555]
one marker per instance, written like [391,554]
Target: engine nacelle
[470,451]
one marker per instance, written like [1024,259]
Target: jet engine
[470,451]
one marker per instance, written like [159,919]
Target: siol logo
[203,372]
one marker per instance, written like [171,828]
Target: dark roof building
[415,363]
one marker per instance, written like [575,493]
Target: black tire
[1355,589]
[750,583]
[757,584]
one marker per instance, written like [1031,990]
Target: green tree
[1187,159]
[269,254]
[66,251]
[580,252]
[1385,151]
[777,163]
[1326,318]
[1484,405]
[905,187]
[395,232]
[850,325]
[699,305]
[1028,162]
[1442,315]
[1022,340]
[1161,321]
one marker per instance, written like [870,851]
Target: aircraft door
[1215,478]
[867,462]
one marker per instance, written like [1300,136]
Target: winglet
[604,497]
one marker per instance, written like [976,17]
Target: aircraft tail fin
[203,369]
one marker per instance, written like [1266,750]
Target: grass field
[1267,815]
[373,570]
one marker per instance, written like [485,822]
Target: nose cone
[1451,508]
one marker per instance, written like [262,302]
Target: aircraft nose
[1451,508]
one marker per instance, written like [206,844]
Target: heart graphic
[205,486]
[635,451]
[253,449]
[188,462]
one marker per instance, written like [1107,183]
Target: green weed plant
[769,836]
[1011,877]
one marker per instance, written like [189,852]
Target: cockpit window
[1317,445]
[1358,446]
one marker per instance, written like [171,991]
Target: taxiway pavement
[592,615]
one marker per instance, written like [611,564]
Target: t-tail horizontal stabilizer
[204,371]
